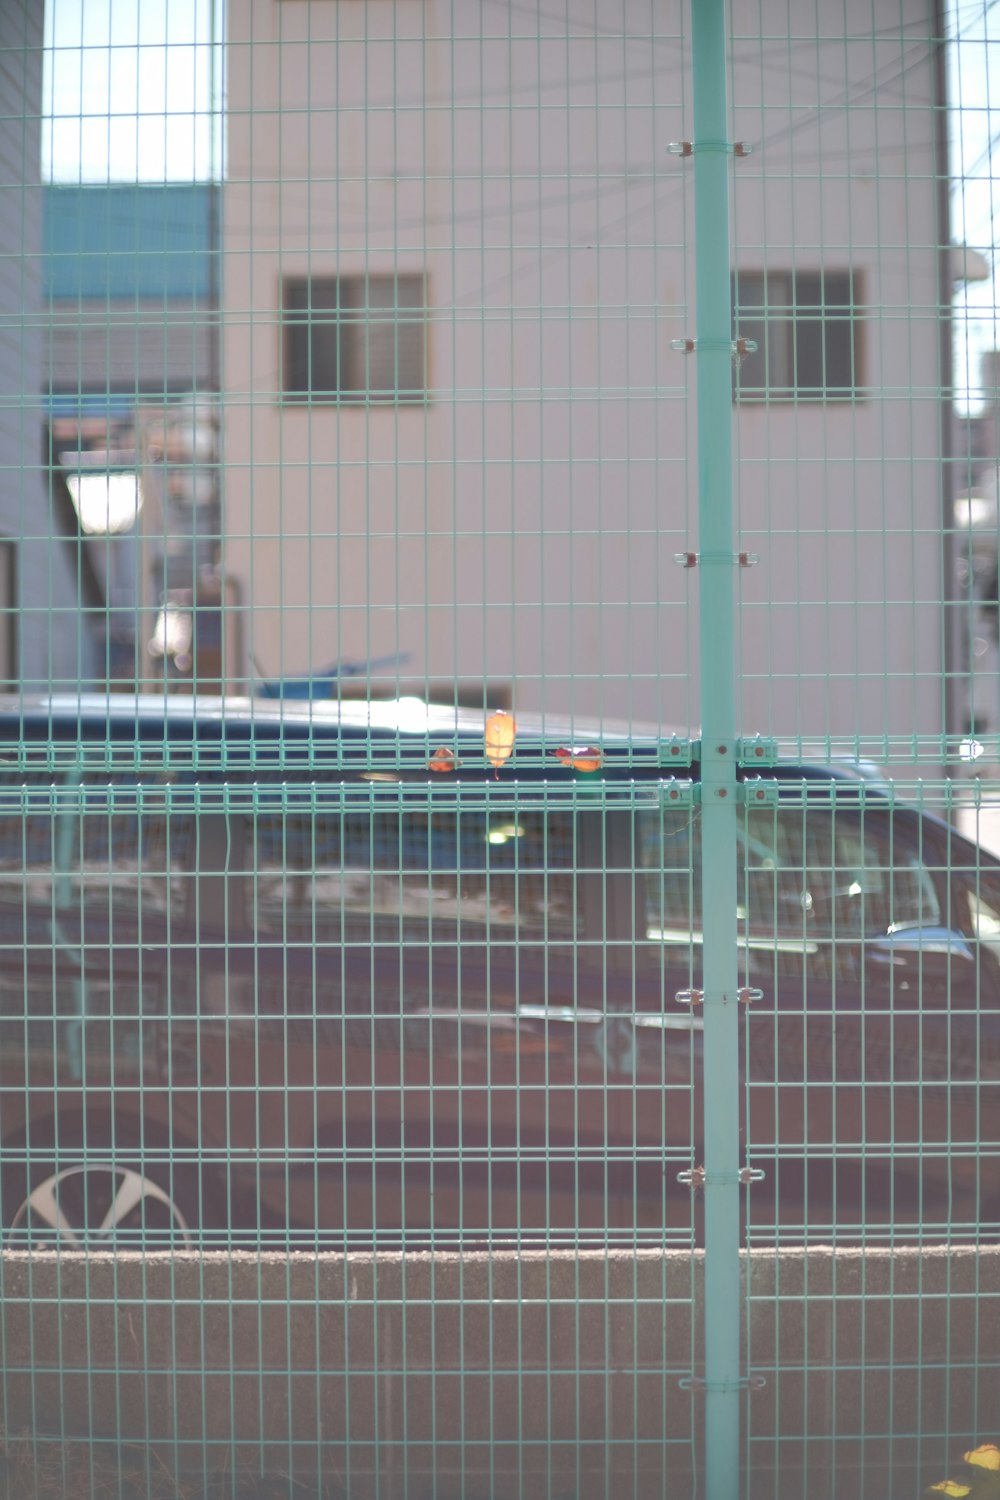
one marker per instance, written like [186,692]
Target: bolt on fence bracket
[747,994]
[689,997]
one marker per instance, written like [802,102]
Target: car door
[961,1103]
[858,1004]
[90,872]
[504,1051]
[410,1046]
[660,1095]
[858,1052]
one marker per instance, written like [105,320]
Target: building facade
[459,259]
[46,638]
[130,355]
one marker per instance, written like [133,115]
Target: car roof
[347,717]
[94,717]
[343,731]
[395,733]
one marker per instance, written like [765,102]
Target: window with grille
[354,339]
[805,326]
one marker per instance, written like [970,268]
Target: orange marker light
[580,758]
[443,759]
[499,736]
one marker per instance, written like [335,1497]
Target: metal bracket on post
[692,559]
[725,148]
[737,349]
[675,752]
[760,791]
[741,1383]
[678,793]
[698,1177]
[746,995]
[757,750]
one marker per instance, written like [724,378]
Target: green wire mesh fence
[499,814]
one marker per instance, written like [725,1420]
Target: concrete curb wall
[503,1374]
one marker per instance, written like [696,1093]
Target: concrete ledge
[492,1375]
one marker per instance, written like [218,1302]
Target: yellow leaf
[986,1456]
[951,1487]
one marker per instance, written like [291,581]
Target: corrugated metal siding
[146,347]
[120,242]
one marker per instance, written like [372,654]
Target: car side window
[981,902]
[984,913]
[86,864]
[26,836]
[812,883]
[91,841]
[822,881]
[669,855]
[132,852]
[362,876]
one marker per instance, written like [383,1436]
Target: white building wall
[554,465]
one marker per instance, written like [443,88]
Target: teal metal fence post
[716,562]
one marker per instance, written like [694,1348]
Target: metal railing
[499,932]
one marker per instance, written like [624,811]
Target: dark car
[328,974]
